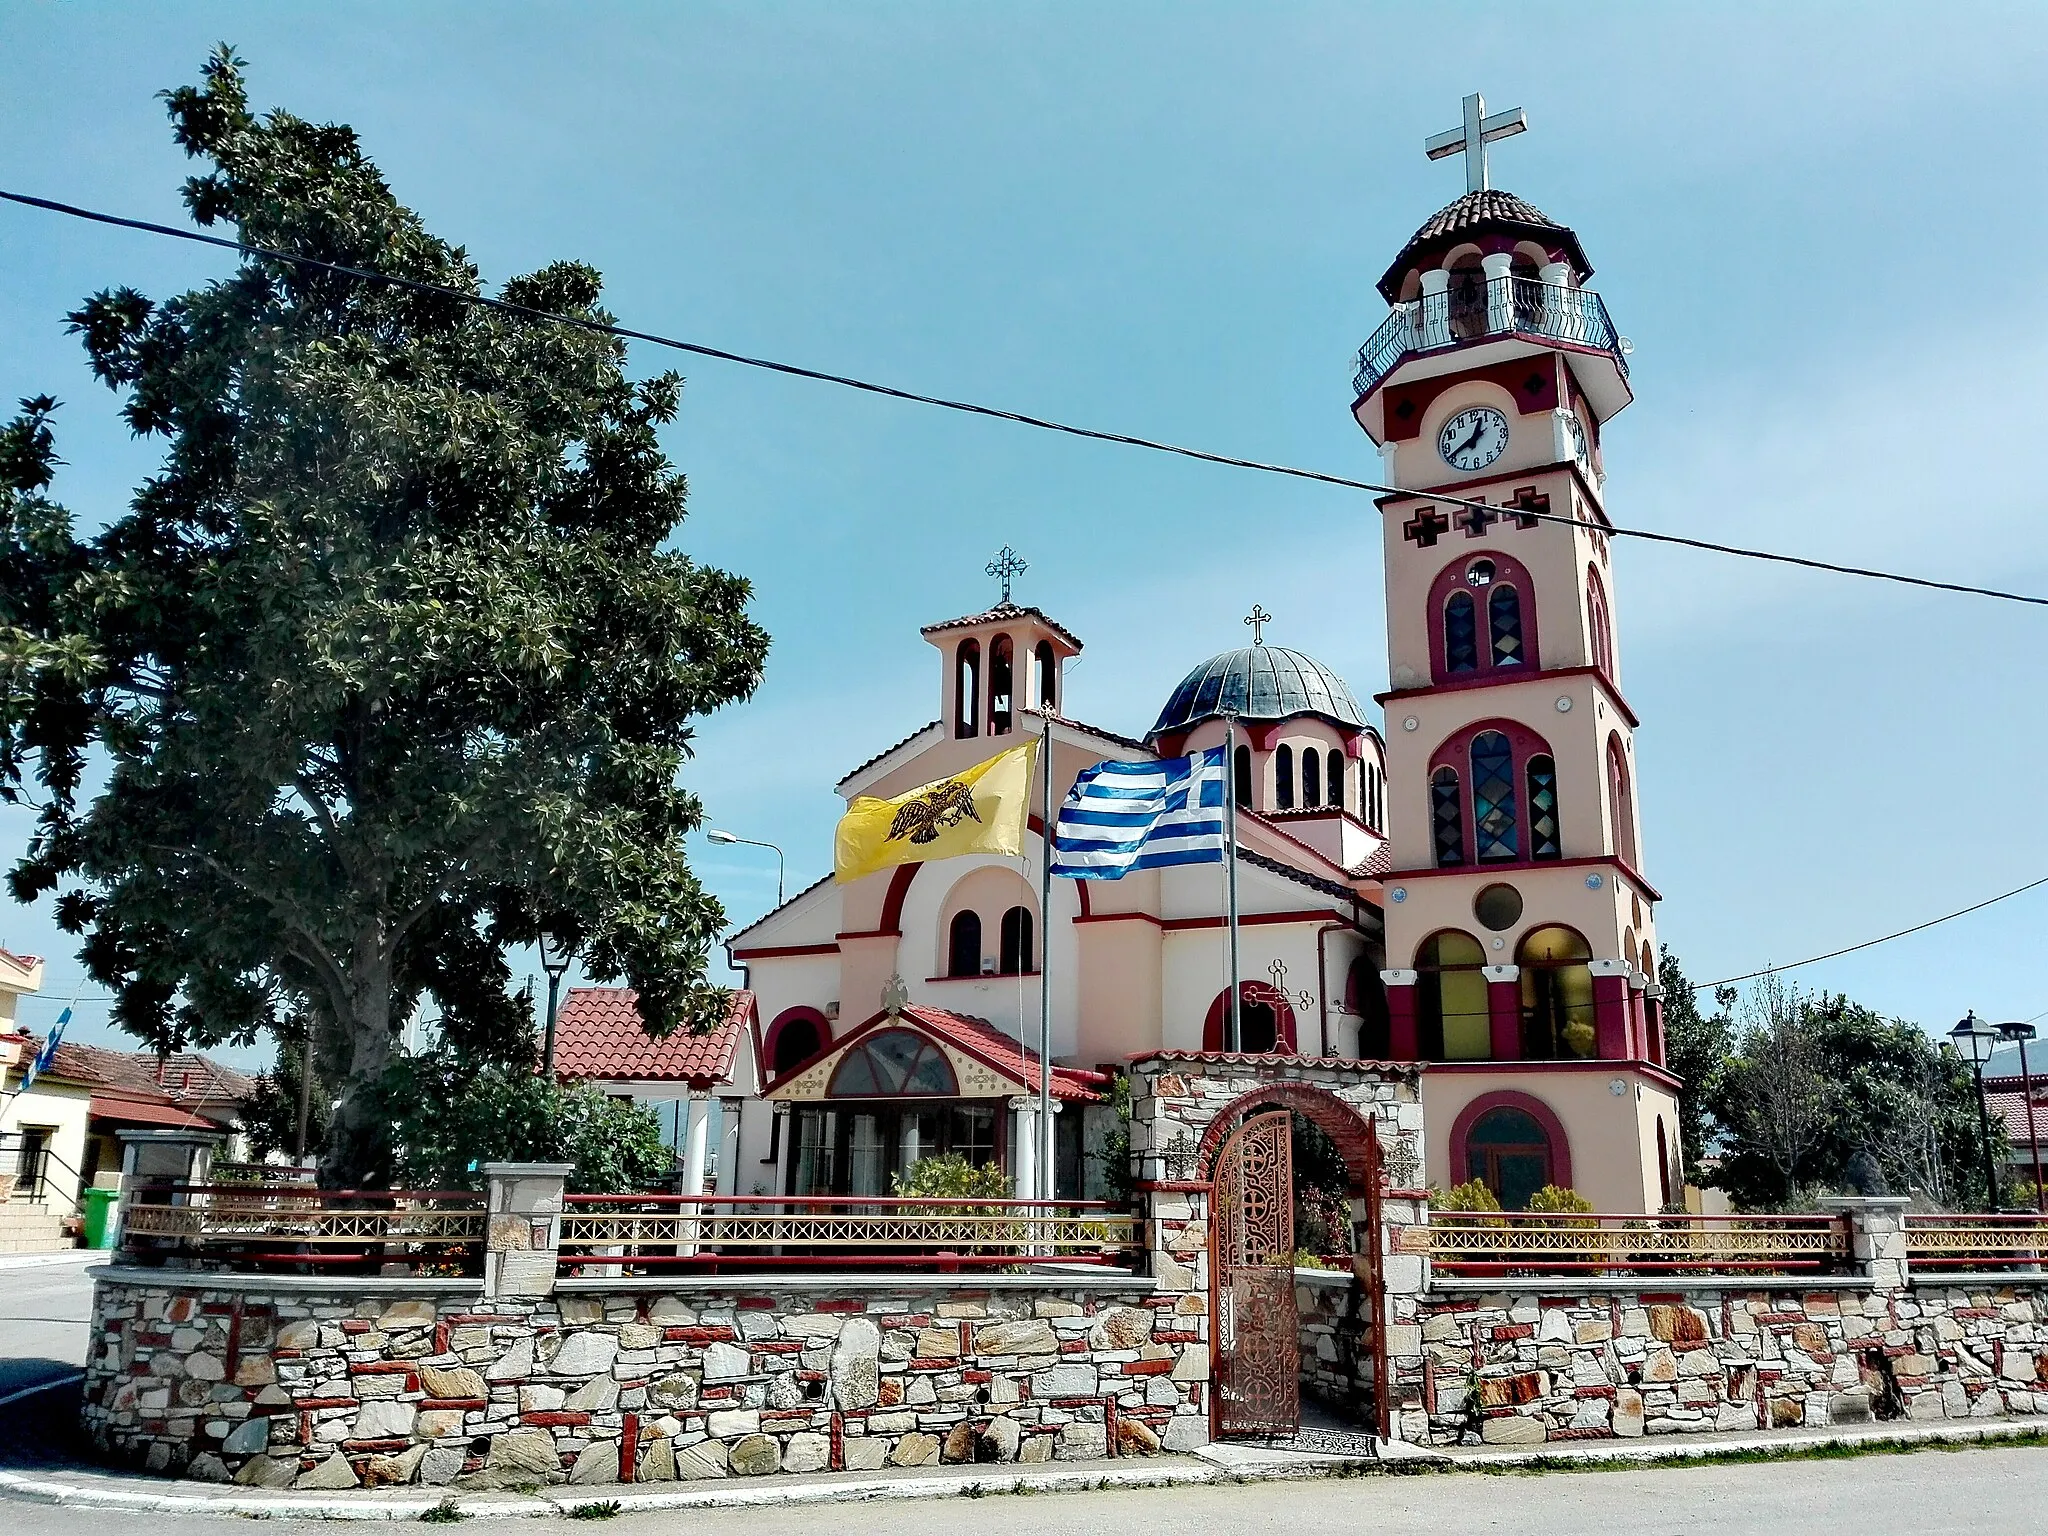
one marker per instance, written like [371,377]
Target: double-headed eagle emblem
[923,818]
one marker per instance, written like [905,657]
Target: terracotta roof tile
[2005,1098]
[978,1037]
[599,1037]
[1000,612]
[1491,208]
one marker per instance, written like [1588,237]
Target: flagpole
[1046,1183]
[1231,1037]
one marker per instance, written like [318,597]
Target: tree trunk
[358,1150]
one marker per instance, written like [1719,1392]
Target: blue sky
[1820,225]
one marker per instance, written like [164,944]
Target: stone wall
[332,1384]
[1523,1367]
[1336,1341]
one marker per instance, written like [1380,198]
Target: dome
[1476,213]
[1260,682]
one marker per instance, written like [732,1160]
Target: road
[1968,1492]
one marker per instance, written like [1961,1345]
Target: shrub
[1472,1195]
[951,1177]
[1567,1202]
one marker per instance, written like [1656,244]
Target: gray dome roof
[1260,682]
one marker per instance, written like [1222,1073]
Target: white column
[1024,1147]
[1500,297]
[698,1122]
[1557,297]
[787,1123]
[1433,317]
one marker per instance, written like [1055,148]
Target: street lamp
[556,946]
[1975,1040]
[2021,1033]
[754,842]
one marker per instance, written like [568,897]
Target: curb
[62,1256]
[1780,1444]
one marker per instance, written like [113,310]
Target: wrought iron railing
[839,1231]
[237,1225]
[1537,1243]
[1976,1241]
[26,1160]
[1474,311]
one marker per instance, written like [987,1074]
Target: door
[1258,1335]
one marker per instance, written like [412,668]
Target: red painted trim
[1512,1098]
[1345,1125]
[1496,680]
[1117,917]
[1509,376]
[870,933]
[1402,1041]
[1602,860]
[785,1018]
[1610,1017]
[1547,343]
[990,976]
[892,904]
[779,951]
[1504,1019]
[1285,1041]
[1644,1069]
[1508,572]
[1253,920]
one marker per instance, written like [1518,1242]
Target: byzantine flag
[983,809]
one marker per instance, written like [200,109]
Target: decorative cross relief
[1476,520]
[1007,563]
[1426,527]
[1528,499]
[1398,1161]
[895,996]
[1472,136]
[1258,618]
[1180,1157]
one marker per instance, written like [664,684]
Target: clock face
[1473,438]
[1582,449]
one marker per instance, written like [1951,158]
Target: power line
[1832,954]
[1044,424]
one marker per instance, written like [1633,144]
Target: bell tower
[1520,929]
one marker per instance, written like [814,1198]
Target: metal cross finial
[1258,618]
[1471,139]
[1006,564]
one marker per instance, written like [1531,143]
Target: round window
[1498,907]
[1479,574]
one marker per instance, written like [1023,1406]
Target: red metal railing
[265,1226]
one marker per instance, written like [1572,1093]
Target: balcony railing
[240,1226]
[1541,1243]
[1976,1242]
[839,1231]
[1474,311]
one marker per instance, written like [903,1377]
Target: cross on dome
[1258,618]
[1471,139]
[1007,563]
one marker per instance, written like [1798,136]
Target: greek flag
[1125,816]
[47,1056]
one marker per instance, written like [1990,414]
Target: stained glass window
[1446,817]
[1545,839]
[1461,634]
[1493,798]
[894,1061]
[1451,1009]
[1504,619]
[1557,995]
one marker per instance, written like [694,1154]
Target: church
[1460,886]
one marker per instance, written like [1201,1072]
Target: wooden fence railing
[839,1231]
[1976,1242]
[1503,1242]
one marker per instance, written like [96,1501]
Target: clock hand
[1477,433]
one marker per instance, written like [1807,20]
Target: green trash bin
[99,1216]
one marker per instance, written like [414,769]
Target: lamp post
[754,842]
[1977,1040]
[555,950]
[2021,1033]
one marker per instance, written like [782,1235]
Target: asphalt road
[43,1314]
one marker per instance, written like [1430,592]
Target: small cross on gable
[1471,138]
[1007,563]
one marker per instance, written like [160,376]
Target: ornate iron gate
[1257,1332]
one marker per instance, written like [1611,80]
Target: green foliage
[1816,1080]
[388,665]
[603,1510]
[1112,1153]
[446,1115]
[271,1114]
[1552,1200]
[1696,1045]
[447,1512]
[1472,1195]
[951,1177]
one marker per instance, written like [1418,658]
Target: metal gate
[1257,1332]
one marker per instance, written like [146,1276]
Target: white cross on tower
[1471,140]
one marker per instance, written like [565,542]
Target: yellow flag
[982,810]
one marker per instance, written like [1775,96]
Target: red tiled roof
[599,1037]
[126,1111]
[26,962]
[979,1039]
[2005,1098]
[181,1077]
[1001,611]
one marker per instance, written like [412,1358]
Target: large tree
[387,667]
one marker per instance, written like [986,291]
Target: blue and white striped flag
[47,1056]
[1124,816]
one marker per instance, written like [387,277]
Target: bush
[1567,1202]
[1472,1195]
[951,1177]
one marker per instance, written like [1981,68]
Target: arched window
[963,945]
[1242,788]
[1663,1163]
[1494,818]
[794,1037]
[1283,778]
[1335,788]
[1001,673]
[1016,943]
[1557,996]
[1508,1151]
[1461,633]
[1504,624]
[1599,622]
[1366,995]
[1451,1017]
[1048,677]
[892,1062]
[1545,837]
[1446,817]
[1621,804]
[967,688]
[1378,780]
[1311,777]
